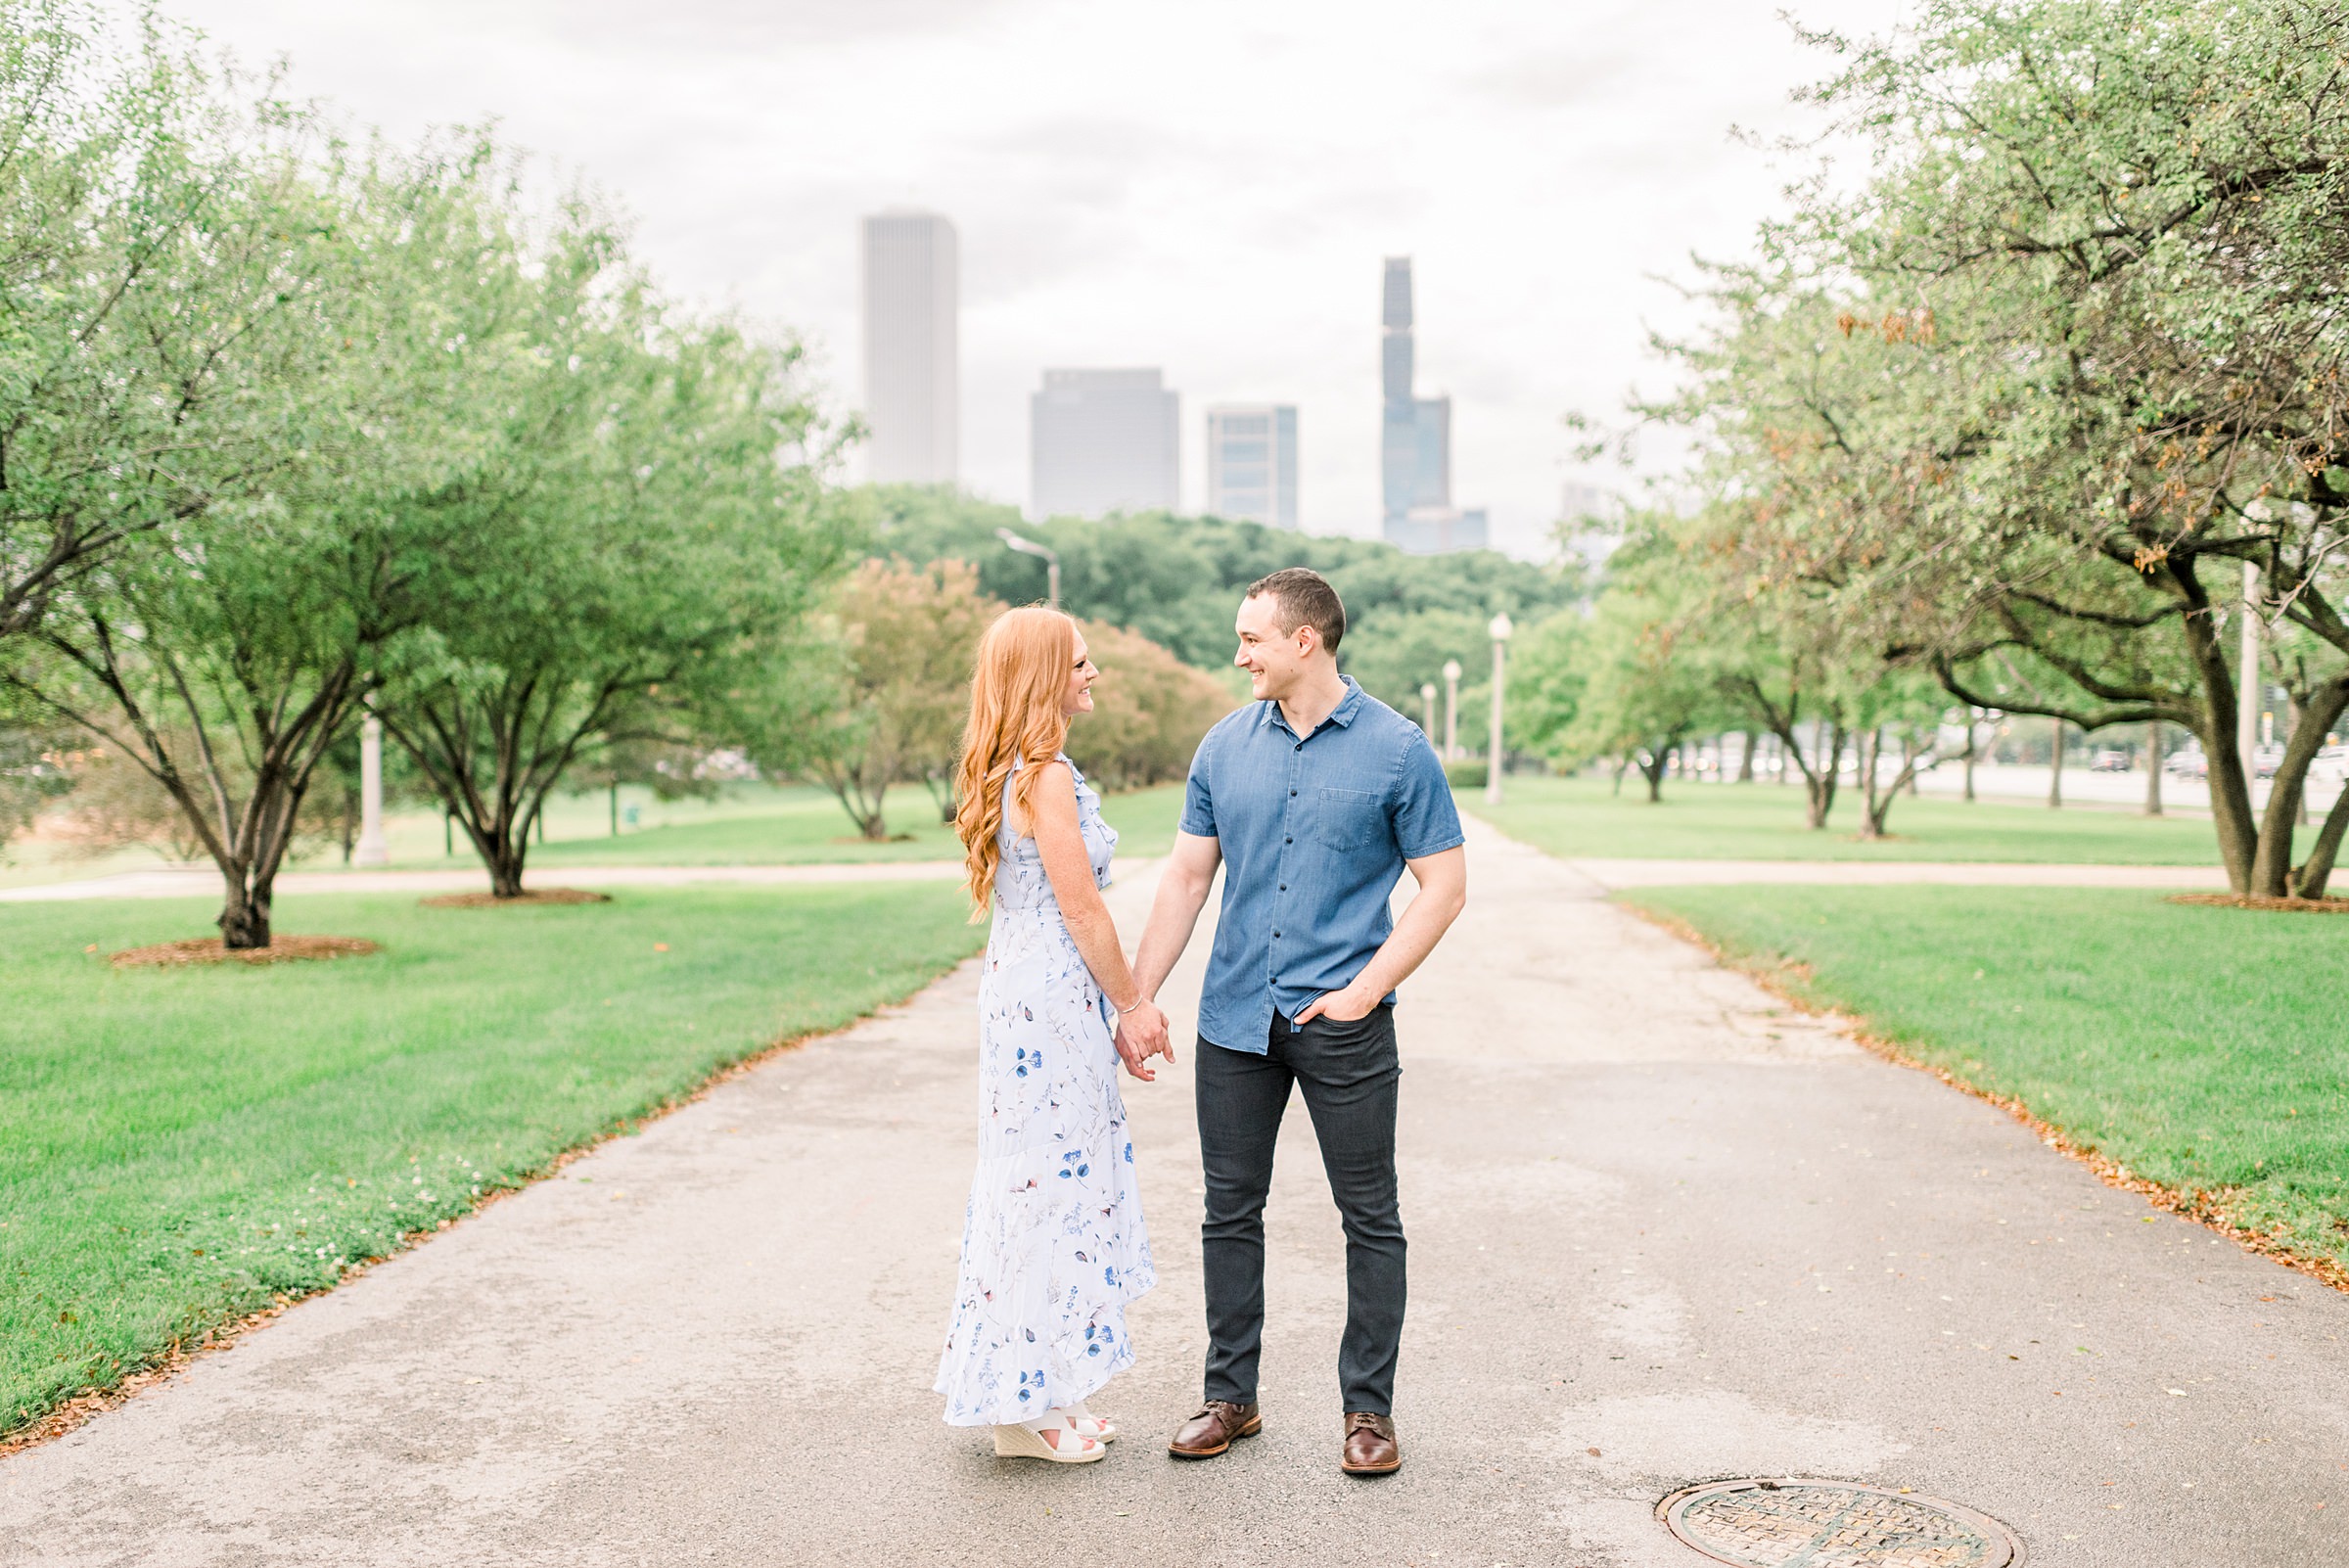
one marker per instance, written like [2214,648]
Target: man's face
[1274,660]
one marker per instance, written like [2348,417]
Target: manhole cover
[1832,1523]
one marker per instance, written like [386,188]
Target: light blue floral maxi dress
[1052,1243]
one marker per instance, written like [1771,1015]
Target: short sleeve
[1426,822]
[1198,797]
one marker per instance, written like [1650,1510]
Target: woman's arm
[1060,842]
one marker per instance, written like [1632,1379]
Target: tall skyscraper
[1251,462]
[912,361]
[1399,416]
[1415,446]
[1102,441]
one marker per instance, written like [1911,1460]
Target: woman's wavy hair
[1016,690]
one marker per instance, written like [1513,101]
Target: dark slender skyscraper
[1414,444]
[1399,431]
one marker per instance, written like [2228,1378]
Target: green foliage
[288,425]
[1150,711]
[1644,664]
[2219,1076]
[882,699]
[624,554]
[178,1148]
[2017,409]
[1178,580]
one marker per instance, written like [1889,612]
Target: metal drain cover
[1833,1524]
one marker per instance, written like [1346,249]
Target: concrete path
[1614,875]
[181,883]
[1661,1229]
[1609,874]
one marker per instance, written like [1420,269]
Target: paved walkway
[1610,874]
[1613,875]
[178,883]
[1661,1231]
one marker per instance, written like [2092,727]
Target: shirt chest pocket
[1346,820]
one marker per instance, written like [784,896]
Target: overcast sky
[1205,186]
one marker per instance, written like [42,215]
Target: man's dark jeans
[1349,1073]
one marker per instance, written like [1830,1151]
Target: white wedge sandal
[1026,1439]
[1084,1424]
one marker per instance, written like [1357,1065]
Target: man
[1314,797]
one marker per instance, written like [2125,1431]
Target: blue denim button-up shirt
[1314,832]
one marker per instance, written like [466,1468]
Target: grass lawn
[1583,817]
[2200,1048]
[177,1147]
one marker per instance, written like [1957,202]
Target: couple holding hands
[1313,799]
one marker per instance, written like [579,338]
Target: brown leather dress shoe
[1219,1424]
[1370,1446]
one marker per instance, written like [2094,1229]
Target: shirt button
[1292,791]
[1275,933]
[1288,840]
[1284,887]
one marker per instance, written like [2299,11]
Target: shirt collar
[1342,715]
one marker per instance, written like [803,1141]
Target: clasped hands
[1141,1035]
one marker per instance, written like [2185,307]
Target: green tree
[642,530]
[887,704]
[160,266]
[2033,394]
[224,652]
[1150,711]
[1178,580]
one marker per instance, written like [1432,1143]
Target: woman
[1052,1246]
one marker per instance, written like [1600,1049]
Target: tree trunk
[2230,791]
[2056,767]
[2271,865]
[505,866]
[1820,778]
[2308,881]
[1745,759]
[244,913]
[1974,748]
[1652,770]
[2153,768]
[1909,769]
[1623,765]
[1871,745]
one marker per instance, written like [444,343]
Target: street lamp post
[370,848]
[1500,629]
[1427,708]
[1051,560]
[1451,709]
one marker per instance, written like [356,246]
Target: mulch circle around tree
[490,901]
[207,951]
[2232,900]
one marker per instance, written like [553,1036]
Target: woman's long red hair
[1016,692]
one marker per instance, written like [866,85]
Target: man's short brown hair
[1304,599]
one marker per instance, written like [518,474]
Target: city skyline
[1102,441]
[1205,188]
[1252,463]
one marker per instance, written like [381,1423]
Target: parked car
[2187,763]
[2111,760]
